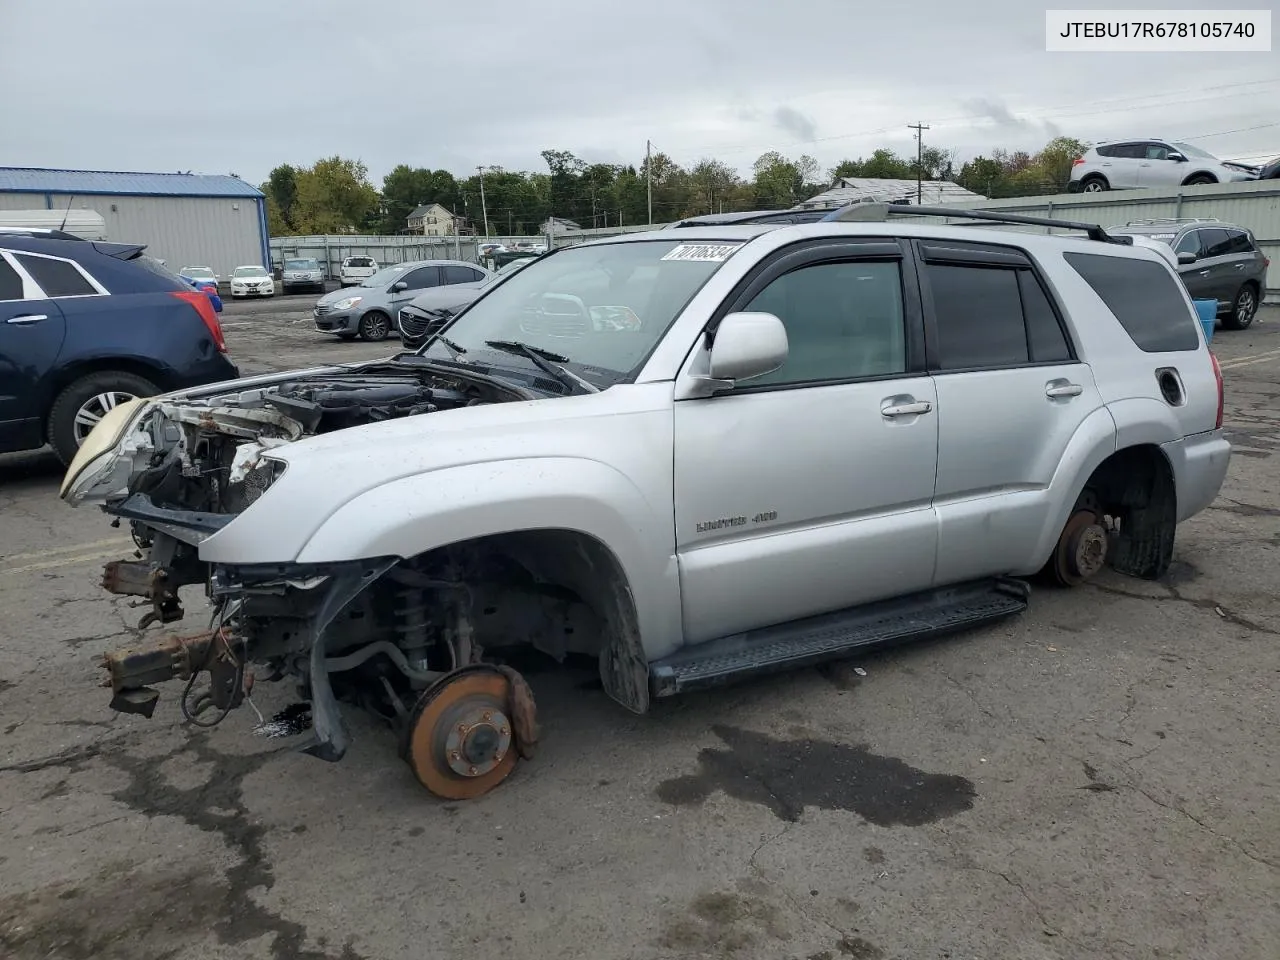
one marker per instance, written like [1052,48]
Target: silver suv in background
[303,272]
[1216,261]
[1139,164]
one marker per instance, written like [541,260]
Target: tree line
[336,195]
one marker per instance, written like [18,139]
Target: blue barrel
[1208,311]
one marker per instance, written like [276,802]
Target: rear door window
[58,278]
[1216,242]
[1145,297]
[1238,242]
[10,282]
[461,275]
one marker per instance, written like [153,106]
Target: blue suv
[86,325]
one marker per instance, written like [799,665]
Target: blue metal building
[185,219]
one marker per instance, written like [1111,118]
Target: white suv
[356,269]
[693,455]
[1151,164]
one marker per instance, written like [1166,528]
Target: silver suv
[1217,261]
[692,455]
[1150,164]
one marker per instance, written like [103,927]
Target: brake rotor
[461,741]
[1082,549]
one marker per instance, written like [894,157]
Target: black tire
[61,429]
[1094,184]
[1199,180]
[375,325]
[1243,309]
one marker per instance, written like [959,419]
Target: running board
[833,636]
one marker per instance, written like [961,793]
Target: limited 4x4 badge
[708,525]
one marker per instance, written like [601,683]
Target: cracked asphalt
[1097,778]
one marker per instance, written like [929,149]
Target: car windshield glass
[204,273]
[384,277]
[1189,151]
[250,272]
[359,262]
[158,267]
[603,308]
[301,264]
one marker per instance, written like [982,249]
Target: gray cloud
[793,122]
[456,85]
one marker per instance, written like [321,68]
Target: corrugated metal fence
[1252,205]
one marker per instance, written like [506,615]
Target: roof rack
[1155,220]
[856,212]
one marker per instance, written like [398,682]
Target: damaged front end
[384,633]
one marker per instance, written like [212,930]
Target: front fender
[415,514]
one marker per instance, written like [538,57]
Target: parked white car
[252,282]
[1150,164]
[357,269]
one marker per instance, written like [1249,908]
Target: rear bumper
[1200,465]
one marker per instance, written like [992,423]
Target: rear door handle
[28,318]
[907,409]
[1057,388]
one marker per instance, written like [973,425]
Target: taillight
[1077,161]
[1222,397]
[200,300]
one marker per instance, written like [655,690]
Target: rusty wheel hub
[1082,549]
[462,738]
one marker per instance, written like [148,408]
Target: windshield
[1189,151]
[385,276]
[301,264]
[359,262]
[202,273]
[249,272]
[604,308]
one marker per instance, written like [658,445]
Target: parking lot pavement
[1097,778]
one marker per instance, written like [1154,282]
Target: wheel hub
[477,739]
[1089,551]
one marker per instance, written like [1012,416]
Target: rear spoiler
[121,251]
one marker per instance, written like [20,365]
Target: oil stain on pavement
[788,775]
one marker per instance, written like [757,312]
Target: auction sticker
[703,252]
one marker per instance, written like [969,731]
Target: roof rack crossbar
[882,211]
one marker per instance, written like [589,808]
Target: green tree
[406,188]
[281,189]
[334,196]
[781,183]
[712,185]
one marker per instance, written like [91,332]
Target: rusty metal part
[459,738]
[166,658]
[1082,549]
[130,578]
[524,713]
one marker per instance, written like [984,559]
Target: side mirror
[747,345]
[1186,257]
[1176,157]
[400,285]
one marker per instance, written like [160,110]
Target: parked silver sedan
[369,310]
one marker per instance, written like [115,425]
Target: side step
[833,636]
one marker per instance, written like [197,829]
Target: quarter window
[1145,297]
[990,316]
[10,283]
[1190,243]
[57,278]
[844,321]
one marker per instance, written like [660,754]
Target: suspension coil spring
[411,623]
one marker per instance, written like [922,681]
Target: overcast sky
[242,85]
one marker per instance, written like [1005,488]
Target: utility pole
[484,211]
[648,175]
[919,128]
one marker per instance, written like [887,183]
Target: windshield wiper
[547,362]
[456,350]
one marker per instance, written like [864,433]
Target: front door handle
[1239,266]
[911,408]
[28,318]
[1059,388]
[1204,273]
